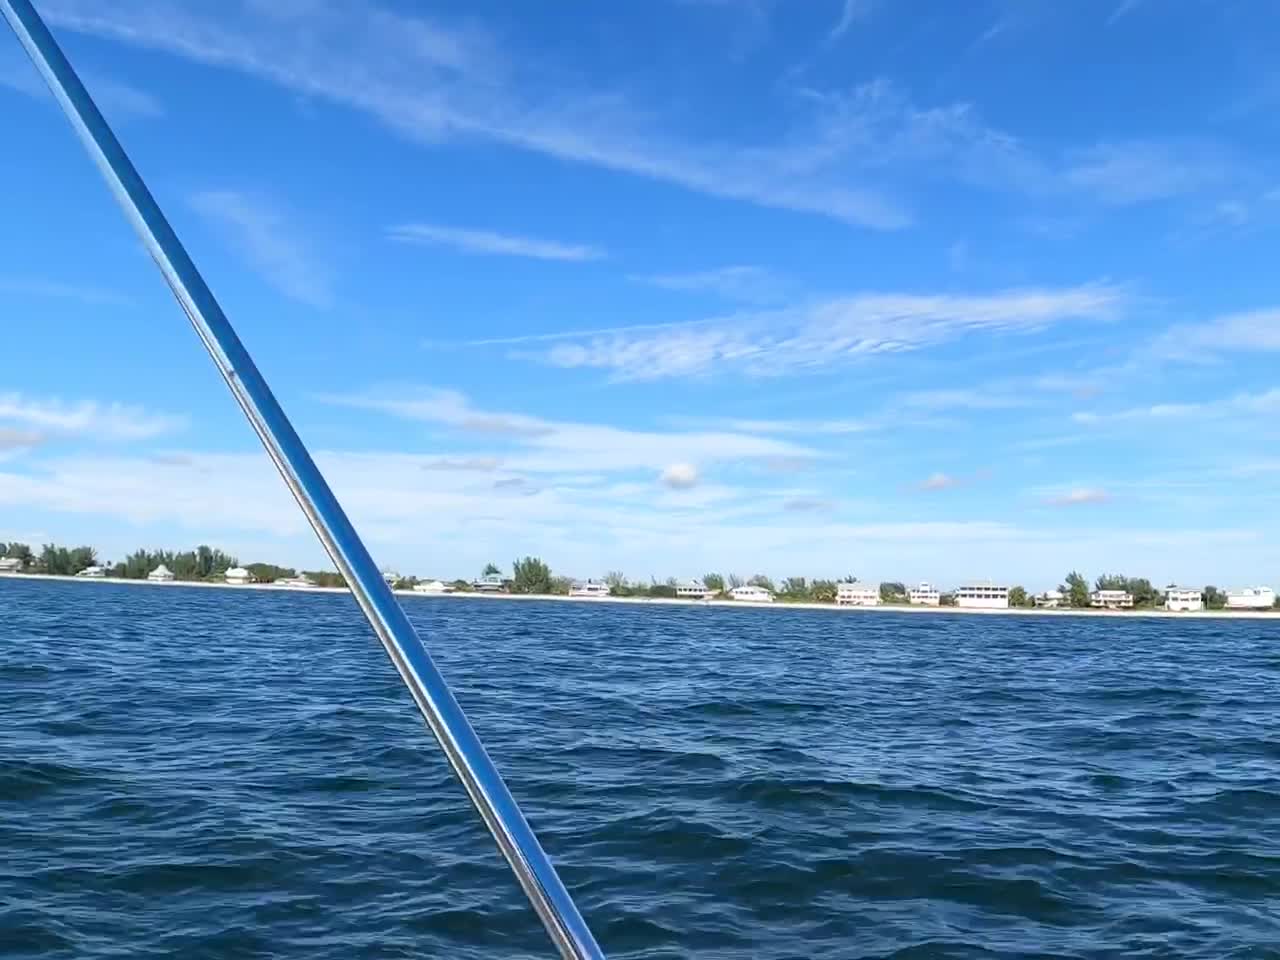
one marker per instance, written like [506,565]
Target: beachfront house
[10,565]
[300,582]
[160,574]
[1111,599]
[493,583]
[983,596]
[1051,600]
[391,577]
[750,593]
[1251,598]
[92,573]
[238,576]
[1184,598]
[589,588]
[432,586]
[857,595]
[924,593]
[693,590]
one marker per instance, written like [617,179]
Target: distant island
[531,576]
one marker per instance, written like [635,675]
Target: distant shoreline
[673,601]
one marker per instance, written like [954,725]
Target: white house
[489,584]
[1184,598]
[751,594]
[93,573]
[1249,598]
[693,590]
[300,582]
[432,586]
[1051,599]
[238,575]
[924,593]
[983,596]
[160,574]
[391,577]
[591,588]
[10,565]
[857,595]
[1111,599]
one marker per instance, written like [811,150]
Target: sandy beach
[777,605]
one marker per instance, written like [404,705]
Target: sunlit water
[218,774]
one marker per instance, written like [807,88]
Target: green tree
[1076,589]
[1214,599]
[735,581]
[713,581]
[269,572]
[616,581]
[491,570]
[530,575]
[946,600]
[325,578]
[823,591]
[891,591]
[760,580]
[462,586]
[796,588]
[1018,597]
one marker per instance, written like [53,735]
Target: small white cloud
[490,243]
[1078,496]
[850,11]
[939,481]
[680,476]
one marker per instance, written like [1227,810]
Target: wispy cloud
[746,283]
[1253,330]
[272,246]
[1263,403]
[544,445]
[1078,496]
[850,12]
[826,333]
[431,82]
[112,421]
[115,98]
[1122,9]
[1126,173]
[490,243]
[57,290]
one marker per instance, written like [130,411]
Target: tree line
[532,575]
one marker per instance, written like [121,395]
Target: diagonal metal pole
[467,756]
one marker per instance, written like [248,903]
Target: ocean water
[216,774]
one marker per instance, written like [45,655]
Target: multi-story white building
[694,591]
[492,583]
[1251,598]
[983,596]
[925,593]
[1111,599]
[751,594]
[1184,598]
[857,595]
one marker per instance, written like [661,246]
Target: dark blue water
[218,774]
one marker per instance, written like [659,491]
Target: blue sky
[903,290]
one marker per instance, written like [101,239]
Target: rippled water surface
[220,774]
